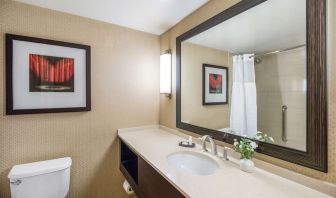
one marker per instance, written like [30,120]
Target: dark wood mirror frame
[316,154]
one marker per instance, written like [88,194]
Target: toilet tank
[42,179]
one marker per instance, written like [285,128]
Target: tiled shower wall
[281,81]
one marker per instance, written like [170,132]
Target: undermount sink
[196,163]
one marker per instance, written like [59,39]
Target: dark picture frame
[316,154]
[49,63]
[218,89]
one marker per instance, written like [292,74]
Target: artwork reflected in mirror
[215,84]
[264,95]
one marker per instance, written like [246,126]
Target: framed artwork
[46,76]
[215,85]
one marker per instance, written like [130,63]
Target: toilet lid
[38,168]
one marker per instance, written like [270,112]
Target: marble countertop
[154,144]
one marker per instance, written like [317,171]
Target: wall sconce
[166,73]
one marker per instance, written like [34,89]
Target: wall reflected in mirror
[264,51]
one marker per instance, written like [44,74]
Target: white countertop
[154,144]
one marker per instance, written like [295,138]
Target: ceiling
[152,16]
[271,26]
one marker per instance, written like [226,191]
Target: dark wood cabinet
[153,184]
[144,179]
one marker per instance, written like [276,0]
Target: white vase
[247,165]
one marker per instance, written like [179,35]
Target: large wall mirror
[258,70]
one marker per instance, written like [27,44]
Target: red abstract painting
[51,74]
[215,83]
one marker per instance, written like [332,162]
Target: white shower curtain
[243,116]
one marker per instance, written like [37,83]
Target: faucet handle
[225,152]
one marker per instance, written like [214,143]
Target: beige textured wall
[217,116]
[168,107]
[281,80]
[125,87]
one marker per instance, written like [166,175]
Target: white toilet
[44,179]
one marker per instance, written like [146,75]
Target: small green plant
[263,137]
[245,147]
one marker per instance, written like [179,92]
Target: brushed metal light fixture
[166,73]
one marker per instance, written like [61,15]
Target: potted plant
[246,149]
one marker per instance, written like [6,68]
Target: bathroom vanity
[147,162]
[144,179]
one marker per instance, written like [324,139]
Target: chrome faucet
[212,142]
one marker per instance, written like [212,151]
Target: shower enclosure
[281,95]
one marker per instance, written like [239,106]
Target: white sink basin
[196,163]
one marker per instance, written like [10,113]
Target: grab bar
[284,123]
